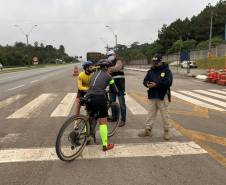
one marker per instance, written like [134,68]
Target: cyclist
[83,83]
[98,105]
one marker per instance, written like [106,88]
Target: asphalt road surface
[30,120]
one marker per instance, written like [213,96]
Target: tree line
[182,35]
[21,55]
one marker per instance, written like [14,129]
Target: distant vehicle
[94,56]
[1,66]
[192,64]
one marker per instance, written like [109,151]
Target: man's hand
[151,84]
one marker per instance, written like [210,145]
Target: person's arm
[167,80]
[79,82]
[146,79]
[117,67]
[113,86]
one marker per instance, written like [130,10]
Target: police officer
[158,81]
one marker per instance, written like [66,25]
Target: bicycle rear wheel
[72,138]
[113,118]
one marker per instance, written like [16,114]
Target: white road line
[211,94]
[12,137]
[34,81]
[162,149]
[136,69]
[134,107]
[16,87]
[64,108]
[217,102]
[217,91]
[34,107]
[11,100]
[195,101]
[8,77]
[133,133]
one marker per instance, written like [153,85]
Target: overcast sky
[80,24]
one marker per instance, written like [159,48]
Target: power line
[74,21]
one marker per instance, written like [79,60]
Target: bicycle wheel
[72,138]
[113,118]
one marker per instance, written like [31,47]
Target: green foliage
[20,55]
[215,41]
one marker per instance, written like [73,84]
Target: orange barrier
[222,77]
[211,74]
[217,76]
[76,71]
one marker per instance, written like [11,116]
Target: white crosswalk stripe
[218,91]
[65,106]
[163,149]
[211,94]
[205,98]
[210,98]
[134,107]
[34,108]
[195,101]
[11,100]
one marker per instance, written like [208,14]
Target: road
[29,125]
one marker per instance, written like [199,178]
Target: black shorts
[98,106]
[81,94]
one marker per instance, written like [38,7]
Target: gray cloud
[79,24]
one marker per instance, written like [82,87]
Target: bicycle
[82,127]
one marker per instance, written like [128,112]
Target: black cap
[157,58]
[103,63]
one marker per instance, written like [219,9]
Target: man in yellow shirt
[83,83]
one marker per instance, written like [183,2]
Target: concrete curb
[200,77]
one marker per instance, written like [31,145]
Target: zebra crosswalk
[210,98]
[65,106]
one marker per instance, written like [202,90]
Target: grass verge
[216,62]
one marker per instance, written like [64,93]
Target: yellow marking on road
[139,96]
[213,153]
[200,135]
[202,111]
[200,138]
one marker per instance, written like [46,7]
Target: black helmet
[103,63]
[157,58]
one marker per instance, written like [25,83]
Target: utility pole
[26,35]
[115,35]
[116,44]
[211,32]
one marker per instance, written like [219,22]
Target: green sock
[104,134]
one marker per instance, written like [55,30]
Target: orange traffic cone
[76,72]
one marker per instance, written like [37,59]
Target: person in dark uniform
[158,81]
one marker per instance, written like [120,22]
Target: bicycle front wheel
[72,138]
[113,118]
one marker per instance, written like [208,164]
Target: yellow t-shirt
[84,81]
